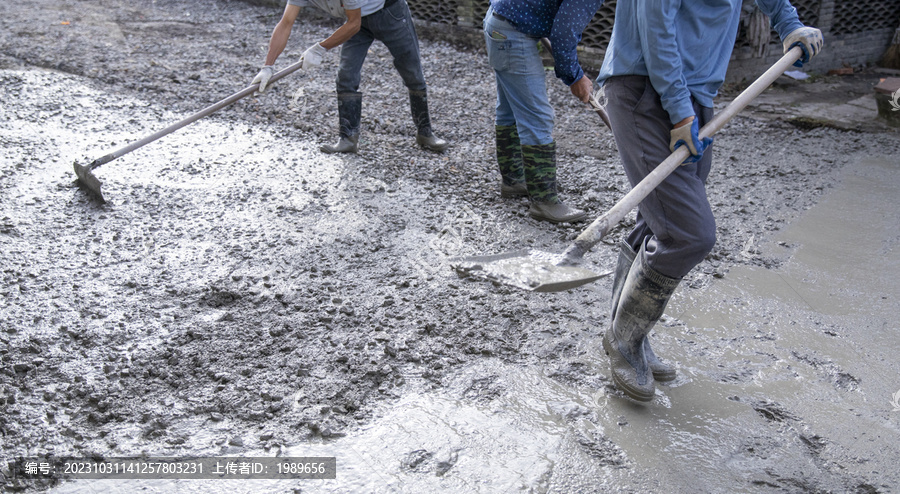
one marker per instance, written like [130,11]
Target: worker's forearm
[342,34]
[278,42]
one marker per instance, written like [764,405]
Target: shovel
[547,272]
[85,173]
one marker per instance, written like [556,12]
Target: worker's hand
[809,39]
[313,55]
[582,89]
[263,77]
[687,133]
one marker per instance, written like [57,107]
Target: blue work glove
[809,39]
[689,135]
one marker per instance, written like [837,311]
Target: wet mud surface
[242,292]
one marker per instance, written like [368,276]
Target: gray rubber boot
[642,300]
[349,116]
[418,104]
[662,372]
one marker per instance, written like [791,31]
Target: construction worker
[388,21]
[526,150]
[664,64]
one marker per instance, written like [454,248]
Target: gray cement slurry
[786,378]
[243,293]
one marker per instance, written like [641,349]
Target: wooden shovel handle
[602,225]
[193,118]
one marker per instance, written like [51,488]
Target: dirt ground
[242,291]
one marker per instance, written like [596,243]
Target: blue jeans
[675,219]
[393,26]
[521,85]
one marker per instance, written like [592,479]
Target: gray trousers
[675,220]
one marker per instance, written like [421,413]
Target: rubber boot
[662,372]
[509,159]
[539,163]
[349,116]
[642,300]
[418,104]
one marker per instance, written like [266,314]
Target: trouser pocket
[498,50]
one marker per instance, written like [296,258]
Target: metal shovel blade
[544,272]
[532,270]
[86,178]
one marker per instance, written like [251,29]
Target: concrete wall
[856,33]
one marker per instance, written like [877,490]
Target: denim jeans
[521,84]
[675,219]
[393,26]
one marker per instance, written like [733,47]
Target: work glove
[809,39]
[263,77]
[313,55]
[689,135]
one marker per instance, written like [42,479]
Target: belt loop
[504,19]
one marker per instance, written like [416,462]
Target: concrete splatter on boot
[662,372]
[509,159]
[346,144]
[349,116]
[642,300]
[539,162]
[418,103]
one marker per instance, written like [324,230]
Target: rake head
[87,180]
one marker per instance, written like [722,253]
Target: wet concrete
[840,101]
[533,270]
[786,379]
[244,294]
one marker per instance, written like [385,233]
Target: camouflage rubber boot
[539,163]
[662,372]
[418,104]
[642,300]
[509,159]
[349,116]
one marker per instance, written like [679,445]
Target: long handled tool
[85,173]
[594,105]
[546,272]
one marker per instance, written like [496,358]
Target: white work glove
[263,77]
[313,55]
[809,39]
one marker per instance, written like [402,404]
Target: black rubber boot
[539,163]
[418,104]
[662,372]
[642,300]
[509,160]
[349,116]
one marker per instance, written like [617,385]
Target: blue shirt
[683,45]
[561,21]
